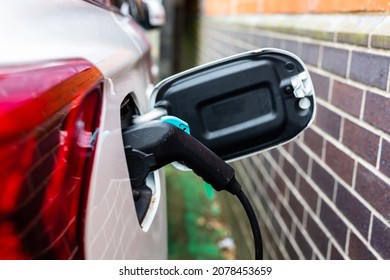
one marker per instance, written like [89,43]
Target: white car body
[53,30]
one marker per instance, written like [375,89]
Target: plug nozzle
[157,144]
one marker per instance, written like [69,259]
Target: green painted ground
[195,224]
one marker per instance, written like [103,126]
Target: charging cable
[152,145]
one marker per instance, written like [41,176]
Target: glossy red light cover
[49,115]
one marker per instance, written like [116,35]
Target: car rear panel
[65,68]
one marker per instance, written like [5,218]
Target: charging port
[142,194]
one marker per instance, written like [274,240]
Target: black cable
[254,224]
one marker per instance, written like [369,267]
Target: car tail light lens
[49,116]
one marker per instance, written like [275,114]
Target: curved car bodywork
[41,34]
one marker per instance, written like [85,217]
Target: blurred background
[325,195]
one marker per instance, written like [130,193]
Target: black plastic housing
[239,105]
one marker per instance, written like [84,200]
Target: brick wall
[223,7]
[325,195]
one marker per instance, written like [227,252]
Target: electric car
[76,86]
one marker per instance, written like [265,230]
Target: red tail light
[49,116]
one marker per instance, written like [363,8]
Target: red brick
[296,206]
[271,194]
[333,223]
[347,98]
[280,183]
[321,85]
[314,141]
[291,46]
[385,158]
[353,209]
[335,254]
[290,171]
[380,238]
[363,142]
[340,162]
[285,216]
[310,53]
[317,235]
[335,60]
[358,250]
[328,121]
[374,190]
[377,111]
[303,244]
[308,193]
[370,69]
[301,157]
[290,250]
[323,179]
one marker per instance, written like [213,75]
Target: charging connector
[152,145]
[157,144]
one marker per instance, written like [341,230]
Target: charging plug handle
[150,146]
[155,144]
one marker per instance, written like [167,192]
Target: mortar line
[379,155]
[335,209]
[363,105]
[353,191]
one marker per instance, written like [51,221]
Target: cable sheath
[254,224]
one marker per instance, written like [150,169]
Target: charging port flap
[242,104]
